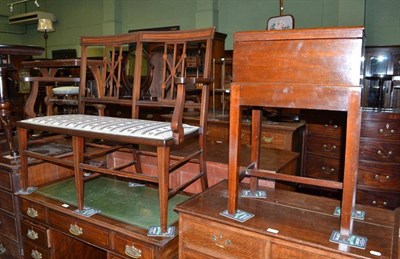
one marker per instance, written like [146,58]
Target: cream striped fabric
[110,125]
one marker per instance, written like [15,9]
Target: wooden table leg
[5,119]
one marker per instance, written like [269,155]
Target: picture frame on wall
[282,22]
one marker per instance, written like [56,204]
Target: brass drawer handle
[389,154]
[327,170]
[329,147]
[32,234]
[133,252]
[218,241]
[267,139]
[3,249]
[75,230]
[382,204]
[31,212]
[36,254]
[333,126]
[382,178]
[387,132]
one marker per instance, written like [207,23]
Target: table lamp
[45,25]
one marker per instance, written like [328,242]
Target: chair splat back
[176,61]
[108,68]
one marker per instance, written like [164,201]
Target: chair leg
[23,145]
[163,156]
[78,149]
[203,171]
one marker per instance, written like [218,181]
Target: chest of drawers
[378,181]
[10,239]
[379,161]
[324,147]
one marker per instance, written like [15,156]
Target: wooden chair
[127,134]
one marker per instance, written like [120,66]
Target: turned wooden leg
[5,115]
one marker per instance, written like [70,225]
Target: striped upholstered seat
[109,125]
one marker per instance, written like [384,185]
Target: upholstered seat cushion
[110,125]
[66,90]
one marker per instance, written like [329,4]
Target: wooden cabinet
[378,176]
[285,225]
[10,238]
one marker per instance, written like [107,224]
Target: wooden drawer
[216,240]
[323,168]
[8,249]
[6,202]
[379,175]
[279,251]
[8,226]
[35,234]
[386,200]
[270,138]
[32,251]
[133,248]
[332,130]
[383,130]
[33,211]
[79,229]
[324,146]
[6,181]
[379,151]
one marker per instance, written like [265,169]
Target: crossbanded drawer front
[6,202]
[33,210]
[132,248]
[79,229]
[217,241]
[5,181]
[333,130]
[35,234]
[385,200]
[324,146]
[8,226]
[379,151]
[379,175]
[35,252]
[384,130]
[8,249]
[323,168]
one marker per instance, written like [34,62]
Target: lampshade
[45,25]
